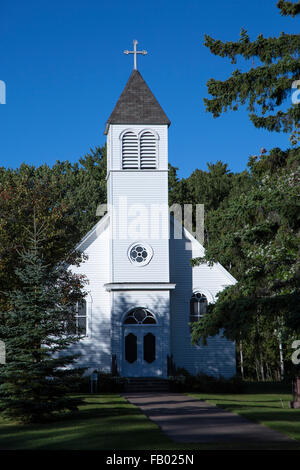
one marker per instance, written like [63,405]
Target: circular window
[140,254]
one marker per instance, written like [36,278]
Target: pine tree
[264,87]
[36,380]
[288,8]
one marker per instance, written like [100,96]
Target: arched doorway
[141,344]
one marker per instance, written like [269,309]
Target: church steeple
[137,105]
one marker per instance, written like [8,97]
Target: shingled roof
[137,105]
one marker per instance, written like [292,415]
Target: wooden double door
[142,351]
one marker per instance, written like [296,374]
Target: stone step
[146,384]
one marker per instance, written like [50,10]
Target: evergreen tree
[39,373]
[264,87]
[173,184]
[65,198]
[210,187]
[256,237]
[256,233]
[288,8]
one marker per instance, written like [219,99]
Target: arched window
[130,154]
[139,316]
[77,325]
[198,306]
[148,151]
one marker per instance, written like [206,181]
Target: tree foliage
[64,199]
[256,236]
[36,380]
[288,8]
[263,88]
[255,231]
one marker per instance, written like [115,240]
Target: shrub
[206,383]
[183,381]
[106,383]
[110,383]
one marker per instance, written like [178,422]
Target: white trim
[99,227]
[148,129]
[132,170]
[149,250]
[89,310]
[206,292]
[86,316]
[128,129]
[138,136]
[226,273]
[113,286]
[138,324]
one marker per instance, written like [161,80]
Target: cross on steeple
[135,52]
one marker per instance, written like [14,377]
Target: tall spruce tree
[36,380]
[264,87]
[256,234]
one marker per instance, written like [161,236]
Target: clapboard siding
[95,349]
[218,357]
[106,311]
[141,193]
[138,191]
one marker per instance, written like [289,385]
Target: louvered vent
[130,156]
[148,151]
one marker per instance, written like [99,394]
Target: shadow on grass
[102,424]
[266,415]
[108,422]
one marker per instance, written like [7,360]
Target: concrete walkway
[186,419]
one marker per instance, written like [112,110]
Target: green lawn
[105,421]
[109,422]
[265,403]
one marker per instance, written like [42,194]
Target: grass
[265,403]
[104,421]
[109,422]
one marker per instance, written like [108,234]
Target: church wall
[139,191]
[218,357]
[142,190]
[95,347]
[158,303]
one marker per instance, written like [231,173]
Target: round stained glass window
[140,254]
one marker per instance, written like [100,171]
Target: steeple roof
[137,105]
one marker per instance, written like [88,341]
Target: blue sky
[64,69]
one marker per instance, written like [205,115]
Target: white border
[149,251]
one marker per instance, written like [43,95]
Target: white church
[143,292]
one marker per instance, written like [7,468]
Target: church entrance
[141,345]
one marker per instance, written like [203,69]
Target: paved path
[186,419]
